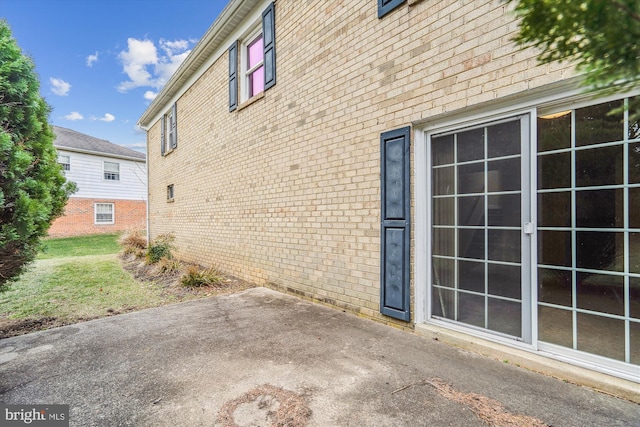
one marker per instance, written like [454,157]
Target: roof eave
[235,11]
[101,153]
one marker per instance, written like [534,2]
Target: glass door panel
[478,281]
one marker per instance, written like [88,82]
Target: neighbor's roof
[79,142]
[228,20]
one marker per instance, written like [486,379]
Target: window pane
[503,139]
[443,179]
[600,250]
[504,209]
[471,178]
[634,207]
[471,145]
[634,114]
[443,242]
[634,297]
[111,167]
[554,132]
[256,81]
[505,280]
[443,272]
[600,292]
[599,166]
[471,210]
[554,209]
[505,317]
[554,248]
[634,163]
[471,309]
[554,171]
[255,52]
[471,276]
[634,251]
[634,338]
[442,150]
[471,243]
[554,286]
[600,209]
[594,124]
[443,303]
[443,211]
[503,175]
[504,245]
[555,326]
[601,335]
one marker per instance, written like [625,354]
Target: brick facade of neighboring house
[398,162]
[111,182]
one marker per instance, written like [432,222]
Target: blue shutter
[395,226]
[162,119]
[174,125]
[233,76]
[386,6]
[269,39]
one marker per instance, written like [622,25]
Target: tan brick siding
[79,217]
[286,192]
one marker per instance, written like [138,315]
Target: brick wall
[79,217]
[286,192]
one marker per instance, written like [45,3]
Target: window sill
[250,101]
[166,153]
[169,200]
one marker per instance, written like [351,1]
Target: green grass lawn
[97,244]
[77,278]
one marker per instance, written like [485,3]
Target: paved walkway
[259,358]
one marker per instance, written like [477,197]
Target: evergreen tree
[33,191]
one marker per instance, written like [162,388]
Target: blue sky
[100,63]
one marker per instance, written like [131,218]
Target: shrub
[196,277]
[135,239]
[161,247]
[168,266]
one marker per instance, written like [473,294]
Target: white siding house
[111,181]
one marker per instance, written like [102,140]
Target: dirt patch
[265,405]
[171,291]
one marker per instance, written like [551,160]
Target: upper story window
[257,61]
[64,161]
[254,74]
[386,6]
[169,130]
[111,171]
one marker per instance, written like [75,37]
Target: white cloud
[74,115]
[106,118]
[91,59]
[59,86]
[148,65]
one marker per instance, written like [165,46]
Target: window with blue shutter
[395,225]
[386,6]
[252,61]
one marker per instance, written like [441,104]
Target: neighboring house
[112,186]
[406,161]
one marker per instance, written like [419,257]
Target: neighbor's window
[64,161]
[103,213]
[111,171]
